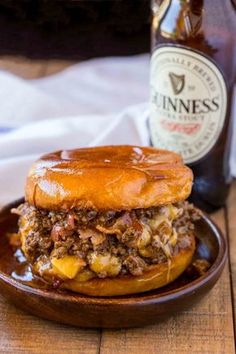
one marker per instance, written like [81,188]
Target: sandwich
[108,221]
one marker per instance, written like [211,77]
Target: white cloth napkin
[98,102]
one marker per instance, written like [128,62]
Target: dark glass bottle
[192,77]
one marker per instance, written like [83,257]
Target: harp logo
[177,83]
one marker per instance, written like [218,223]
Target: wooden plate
[124,311]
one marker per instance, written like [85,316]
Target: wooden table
[206,328]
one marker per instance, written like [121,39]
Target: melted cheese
[105,264]
[84,275]
[68,266]
[164,233]
[145,238]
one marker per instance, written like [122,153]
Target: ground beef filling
[104,244]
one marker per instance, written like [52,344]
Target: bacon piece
[71,221]
[85,233]
[60,232]
[97,239]
[108,230]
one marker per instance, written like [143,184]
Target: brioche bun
[108,177]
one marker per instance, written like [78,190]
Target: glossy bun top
[108,177]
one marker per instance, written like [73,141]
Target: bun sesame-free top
[108,177]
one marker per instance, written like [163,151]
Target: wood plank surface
[23,333]
[55,66]
[206,328]
[32,69]
[231,218]
[22,67]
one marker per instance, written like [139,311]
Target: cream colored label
[188,102]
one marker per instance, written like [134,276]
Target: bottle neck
[234,3]
[182,18]
[196,7]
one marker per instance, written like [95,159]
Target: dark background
[74,29]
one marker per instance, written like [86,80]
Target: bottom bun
[155,277]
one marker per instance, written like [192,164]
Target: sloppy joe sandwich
[109,220]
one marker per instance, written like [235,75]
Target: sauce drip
[23,272]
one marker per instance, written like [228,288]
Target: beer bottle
[192,78]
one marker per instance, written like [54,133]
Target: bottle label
[188,102]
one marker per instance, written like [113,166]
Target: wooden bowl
[116,312]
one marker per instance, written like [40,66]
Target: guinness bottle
[192,78]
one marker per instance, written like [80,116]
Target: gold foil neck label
[188,102]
